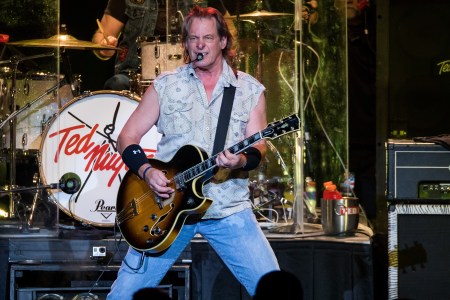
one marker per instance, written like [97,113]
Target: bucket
[340,216]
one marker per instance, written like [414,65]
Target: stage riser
[70,251]
[312,260]
[31,282]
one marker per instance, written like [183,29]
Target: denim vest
[142,17]
[186,117]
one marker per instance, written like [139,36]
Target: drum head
[81,139]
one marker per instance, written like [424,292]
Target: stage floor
[80,256]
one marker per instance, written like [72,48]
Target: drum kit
[56,146]
[50,131]
[160,54]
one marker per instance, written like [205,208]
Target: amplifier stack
[418,194]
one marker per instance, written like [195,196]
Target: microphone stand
[298,226]
[38,195]
[32,188]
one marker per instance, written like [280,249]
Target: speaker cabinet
[419,67]
[419,251]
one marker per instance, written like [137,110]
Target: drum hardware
[58,41]
[44,122]
[272,197]
[14,61]
[69,183]
[260,14]
[138,86]
[256,17]
[25,107]
[24,138]
[30,226]
[175,56]
[63,41]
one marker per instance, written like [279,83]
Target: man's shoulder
[172,75]
[248,79]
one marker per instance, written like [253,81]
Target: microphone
[70,183]
[199,57]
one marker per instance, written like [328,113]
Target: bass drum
[82,139]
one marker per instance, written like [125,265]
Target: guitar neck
[273,130]
[210,163]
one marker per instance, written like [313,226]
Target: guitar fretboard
[210,163]
[273,130]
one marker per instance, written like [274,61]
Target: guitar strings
[204,167]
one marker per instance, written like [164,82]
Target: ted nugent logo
[98,157]
[82,140]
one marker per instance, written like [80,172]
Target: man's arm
[110,35]
[140,122]
[258,122]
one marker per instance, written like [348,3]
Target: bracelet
[145,171]
[100,57]
[134,157]
[96,53]
[253,156]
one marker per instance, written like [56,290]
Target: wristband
[134,157]
[145,171]
[253,156]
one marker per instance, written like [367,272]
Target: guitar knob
[145,228]
[149,241]
[158,230]
[154,216]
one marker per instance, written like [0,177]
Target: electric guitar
[150,223]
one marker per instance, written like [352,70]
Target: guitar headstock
[281,127]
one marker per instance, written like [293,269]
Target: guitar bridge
[128,212]
[134,207]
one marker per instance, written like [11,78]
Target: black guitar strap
[224,119]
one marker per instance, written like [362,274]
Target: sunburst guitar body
[150,223]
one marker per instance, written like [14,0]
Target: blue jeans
[237,239]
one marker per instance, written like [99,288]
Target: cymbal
[260,14]
[63,41]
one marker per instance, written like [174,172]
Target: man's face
[203,38]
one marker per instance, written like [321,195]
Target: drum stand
[29,226]
[11,119]
[37,195]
